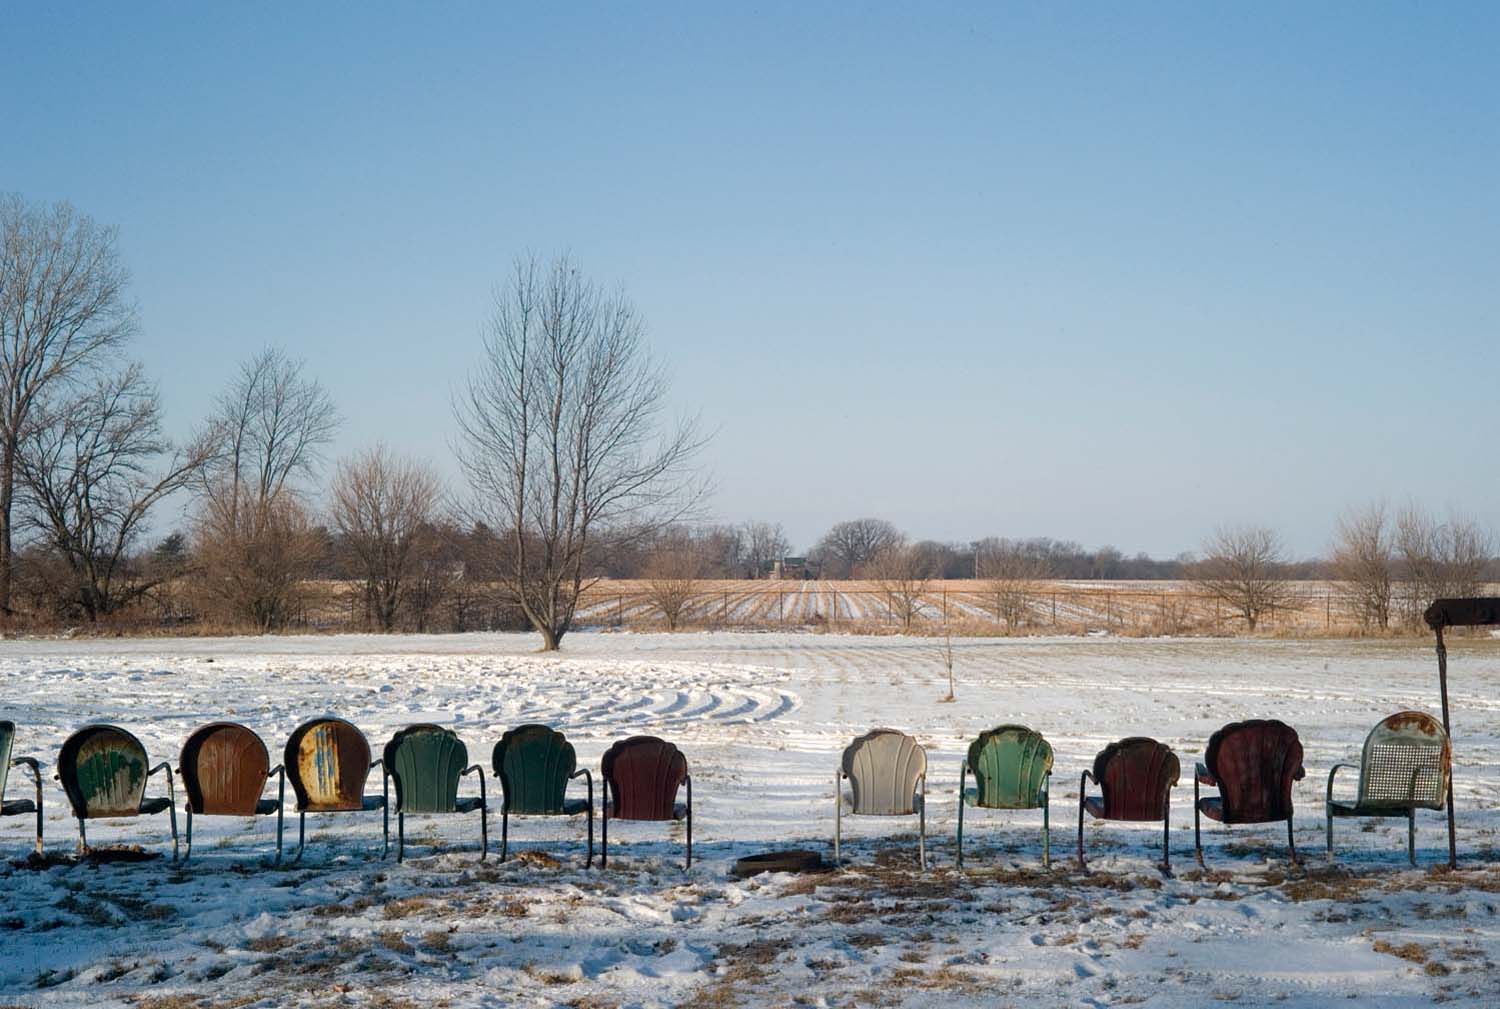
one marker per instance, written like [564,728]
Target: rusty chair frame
[20,807]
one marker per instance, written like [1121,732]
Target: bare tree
[849,546]
[382,505]
[1438,559]
[91,467]
[764,542]
[1013,579]
[63,307]
[1244,567]
[271,424]
[673,576]
[560,435]
[1363,559]
[903,570]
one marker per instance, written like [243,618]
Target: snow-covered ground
[762,719]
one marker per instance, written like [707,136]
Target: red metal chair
[1136,776]
[642,775]
[1253,765]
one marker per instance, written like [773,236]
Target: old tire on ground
[777,861]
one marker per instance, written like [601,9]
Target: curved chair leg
[1197,828]
[922,826]
[1411,835]
[1166,833]
[400,836]
[301,835]
[689,863]
[838,817]
[589,861]
[188,852]
[484,832]
[83,840]
[1081,863]
[604,840]
[1046,831]
[1291,842]
[960,824]
[504,832]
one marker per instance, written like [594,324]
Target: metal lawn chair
[641,777]
[426,763]
[1253,764]
[1012,768]
[103,770]
[1135,777]
[327,761]
[534,764]
[19,807]
[1405,766]
[224,767]
[887,774]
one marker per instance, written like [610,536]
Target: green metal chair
[224,767]
[534,764]
[19,807]
[887,773]
[426,763]
[1405,767]
[327,761]
[103,770]
[1012,768]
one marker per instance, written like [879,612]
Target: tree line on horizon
[571,474]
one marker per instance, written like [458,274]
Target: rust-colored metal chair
[327,761]
[642,775]
[1405,766]
[19,807]
[1136,776]
[103,770]
[224,767]
[1253,765]
[887,774]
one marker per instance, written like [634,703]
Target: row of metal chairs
[225,767]
[1405,766]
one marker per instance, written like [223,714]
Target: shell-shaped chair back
[1255,763]
[533,763]
[327,761]
[883,767]
[426,762]
[224,768]
[1406,762]
[7,741]
[103,771]
[1009,764]
[642,775]
[1134,774]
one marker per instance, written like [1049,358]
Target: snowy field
[762,719]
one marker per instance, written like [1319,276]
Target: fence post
[724,611]
[1327,609]
[781,606]
[945,605]
[1054,609]
[619,611]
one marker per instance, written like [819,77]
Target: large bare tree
[1245,568]
[93,466]
[849,546]
[255,536]
[673,574]
[1012,578]
[562,434]
[383,507]
[63,307]
[902,570]
[763,542]
[1364,559]
[1438,559]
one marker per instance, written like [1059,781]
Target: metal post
[1442,654]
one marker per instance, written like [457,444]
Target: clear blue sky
[1115,273]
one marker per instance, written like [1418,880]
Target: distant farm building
[790,569]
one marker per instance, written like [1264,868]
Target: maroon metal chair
[1253,765]
[642,775]
[224,767]
[1136,776]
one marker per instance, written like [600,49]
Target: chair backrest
[327,761]
[1406,762]
[1255,763]
[224,767]
[533,763]
[426,761]
[1135,774]
[883,767]
[1009,763]
[642,775]
[103,771]
[7,740]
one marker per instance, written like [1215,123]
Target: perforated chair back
[1406,763]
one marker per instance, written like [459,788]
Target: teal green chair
[534,764]
[426,762]
[1012,768]
[19,807]
[103,770]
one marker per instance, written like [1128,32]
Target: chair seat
[849,810]
[971,798]
[1095,805]
[1213,807]
[1337,808]
[17,807]
[157,805]
[265,807]
[679,811]
[468,804]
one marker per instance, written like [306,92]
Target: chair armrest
[471,769]
[171,792]
[1204,776]
[1044,791]
[1331,772]
[1299,774]
[36,773]
[588,779]
[380,764]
